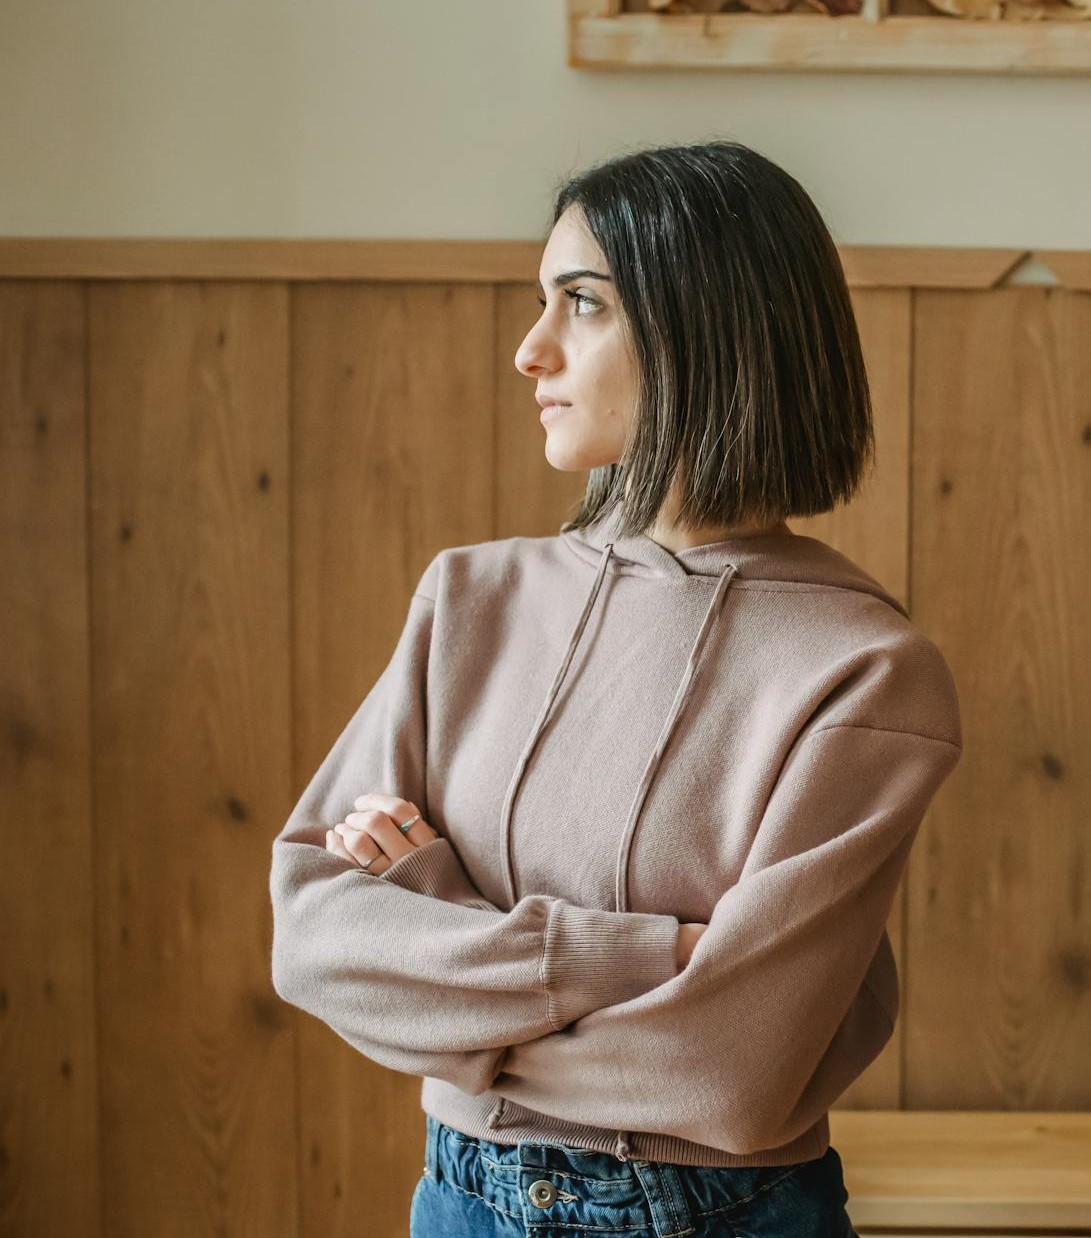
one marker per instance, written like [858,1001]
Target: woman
[632,802]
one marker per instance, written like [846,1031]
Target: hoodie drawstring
[621,894]
[536,730]
[622,1148]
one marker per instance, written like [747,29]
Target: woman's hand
[371,833]
[689,934]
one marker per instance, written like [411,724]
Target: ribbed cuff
[601,958]
[435,871]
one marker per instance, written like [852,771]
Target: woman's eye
[578,297]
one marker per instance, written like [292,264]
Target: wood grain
[804,42]
[1000,916]
[393,460]
[49,1128]
[873,530]
[191,717]
[973,1172]
[483,262]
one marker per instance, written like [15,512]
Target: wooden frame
[603,36]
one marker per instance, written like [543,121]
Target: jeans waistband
[548,1184]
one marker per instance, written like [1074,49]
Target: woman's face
[578,353]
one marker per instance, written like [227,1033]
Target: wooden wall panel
[191,722]
[235,624]
[393,460]
[49,1184]
[999,923]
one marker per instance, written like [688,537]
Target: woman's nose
[536,353]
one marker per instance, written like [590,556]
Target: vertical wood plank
[1000,920]
[49,1091]
[873,530]
[394,460]
[190,570]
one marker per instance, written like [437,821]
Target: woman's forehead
[572,250]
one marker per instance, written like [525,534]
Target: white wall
[456,118]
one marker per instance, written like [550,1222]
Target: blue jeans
[472,1188]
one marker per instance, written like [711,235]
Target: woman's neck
[674,538]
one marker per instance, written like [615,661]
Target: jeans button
[542,1193]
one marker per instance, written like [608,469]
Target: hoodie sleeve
[412,966]
[790,992]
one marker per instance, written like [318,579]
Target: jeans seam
[746,1199]
[678,1223]
[515,1216]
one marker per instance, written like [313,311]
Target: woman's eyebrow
[566,277]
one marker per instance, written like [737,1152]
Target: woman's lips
[553,410]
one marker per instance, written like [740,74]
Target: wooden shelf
[601,36]
[941,1172]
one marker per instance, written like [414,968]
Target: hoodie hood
[772,556]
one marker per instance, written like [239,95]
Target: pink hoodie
[611,738]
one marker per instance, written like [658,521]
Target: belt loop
[666,1200]
[431,1147]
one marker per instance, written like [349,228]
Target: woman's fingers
[382,832]
[399,811]
[372,833]
[336,844]
[356,847]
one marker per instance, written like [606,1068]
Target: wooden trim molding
[488,262]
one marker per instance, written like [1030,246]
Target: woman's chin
[568,455]
[566,461]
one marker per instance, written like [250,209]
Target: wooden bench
[954,1172]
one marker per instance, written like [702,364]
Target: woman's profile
[607,853]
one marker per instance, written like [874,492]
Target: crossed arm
[788,995]
[562,1008]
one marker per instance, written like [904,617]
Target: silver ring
[366,866]
[405,825]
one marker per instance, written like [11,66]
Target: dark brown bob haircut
[752,391]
